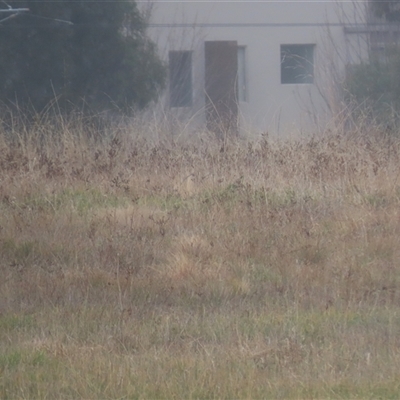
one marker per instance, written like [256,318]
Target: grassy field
[138,268]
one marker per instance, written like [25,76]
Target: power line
[256,25]
[17,11]
[14,12]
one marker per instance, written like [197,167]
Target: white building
[261,66]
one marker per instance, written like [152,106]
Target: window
[180,78]
[297,63]
[241,80]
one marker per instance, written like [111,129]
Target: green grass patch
[13,323]
[80,201]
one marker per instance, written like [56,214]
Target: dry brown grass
[138,268]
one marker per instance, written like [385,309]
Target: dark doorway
[221,69]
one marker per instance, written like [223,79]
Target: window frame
[242,91]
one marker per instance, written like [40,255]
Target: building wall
[262,27]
